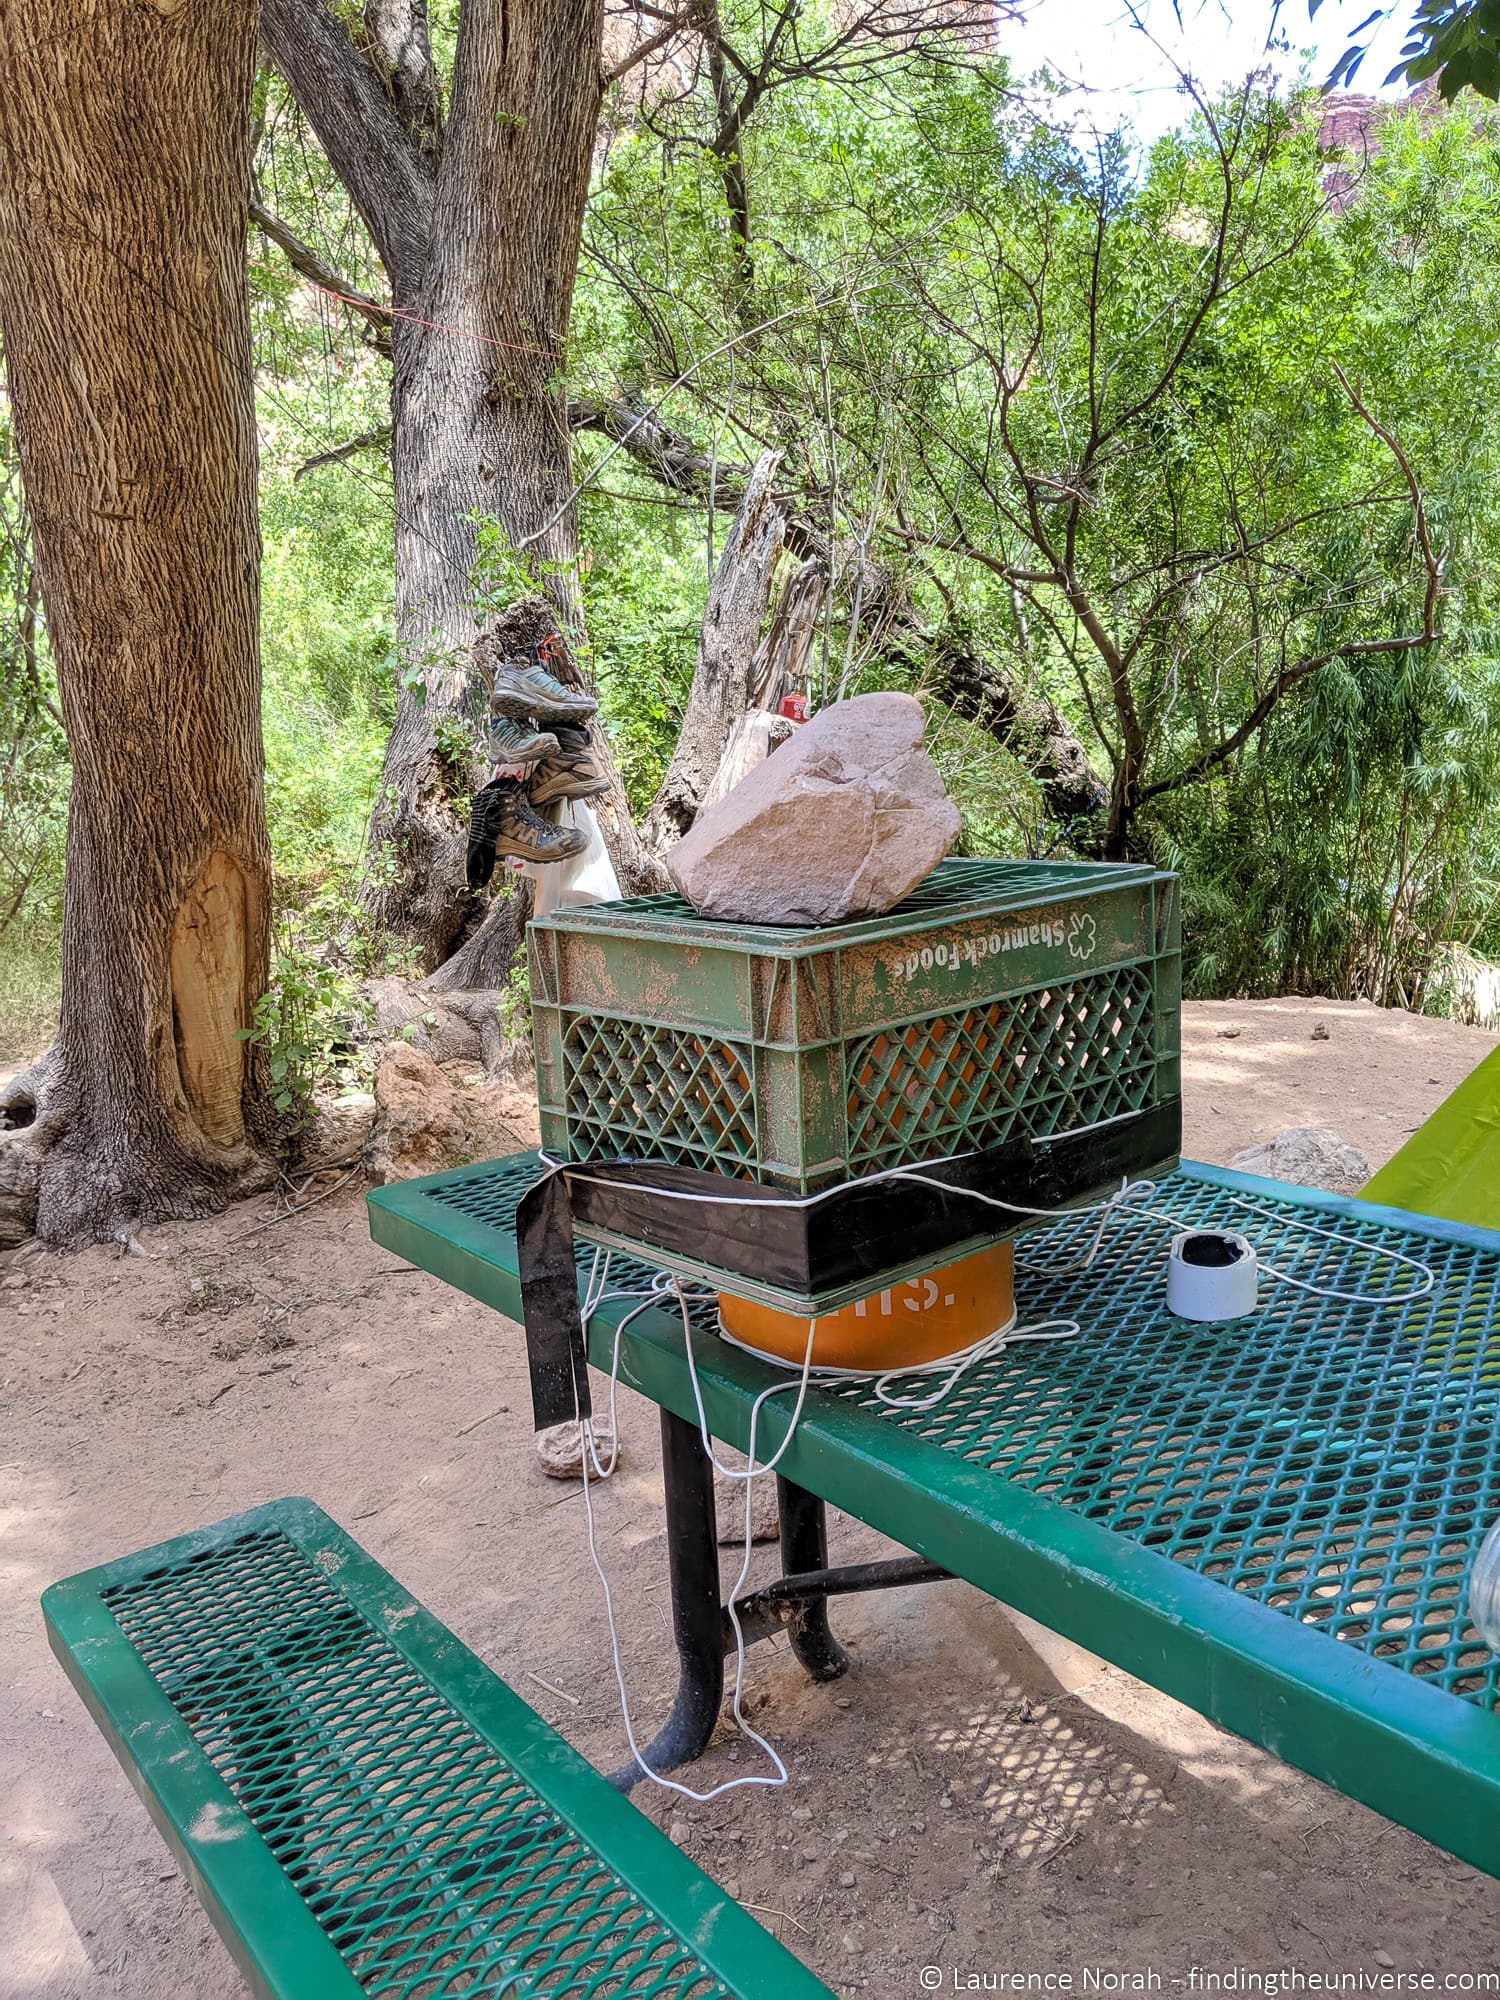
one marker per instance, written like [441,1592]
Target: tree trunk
[783,659]
[780,665]
[727,651]
[124,141]
[489,958]
[482,265]
[480,428]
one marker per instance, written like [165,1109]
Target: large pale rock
[20,1172]
[338,1128]
[1309,1155]
[843,821]
[425,1122]
[449,1027]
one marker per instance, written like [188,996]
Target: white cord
[555,1164]
[1123,1198]
[1354,1243]
[952,1366]
[1124,1202]
[748,1475]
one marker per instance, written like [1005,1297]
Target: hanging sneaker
[501,821]
[527,691]
[570,772]
[515,742]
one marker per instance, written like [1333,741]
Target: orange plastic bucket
[920,1320]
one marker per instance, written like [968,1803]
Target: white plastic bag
[752,738]
[588,877]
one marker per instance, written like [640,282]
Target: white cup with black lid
[1211,1275]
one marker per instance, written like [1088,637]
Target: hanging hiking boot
[501,821]
[515,742]
[570,772]
[527,691]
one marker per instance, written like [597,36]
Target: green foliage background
[906,221]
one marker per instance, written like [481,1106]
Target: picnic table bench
[1272,1519]
[361,1805]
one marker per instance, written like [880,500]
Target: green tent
[1451,1165]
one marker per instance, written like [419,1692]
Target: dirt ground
[976,1795]
[1253,1067]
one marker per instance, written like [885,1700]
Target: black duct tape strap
[555,1350]
[806,1247]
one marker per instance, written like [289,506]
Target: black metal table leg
[804,1546]
[697,1616]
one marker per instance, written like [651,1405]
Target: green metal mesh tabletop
[1273,1518]
[1339,1461]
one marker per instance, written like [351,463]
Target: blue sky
[1121,77]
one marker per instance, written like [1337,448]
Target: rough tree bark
[1024,722]
[124,176]
[722,679]
[781,663]
[479,236]
[976,686]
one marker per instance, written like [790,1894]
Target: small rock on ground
[729,1504]
[559,1449]
[1309,1156]
[339,1126]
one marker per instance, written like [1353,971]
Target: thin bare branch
[673,27]
[1424,538]
[306,262]
[1309,664]
[366,441]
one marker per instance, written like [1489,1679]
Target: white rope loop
[662,1284]
[1126,1203]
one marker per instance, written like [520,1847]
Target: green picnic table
[1272,1519]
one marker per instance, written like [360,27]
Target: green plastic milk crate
[1001,999]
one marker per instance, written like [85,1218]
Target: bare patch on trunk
[208,997]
